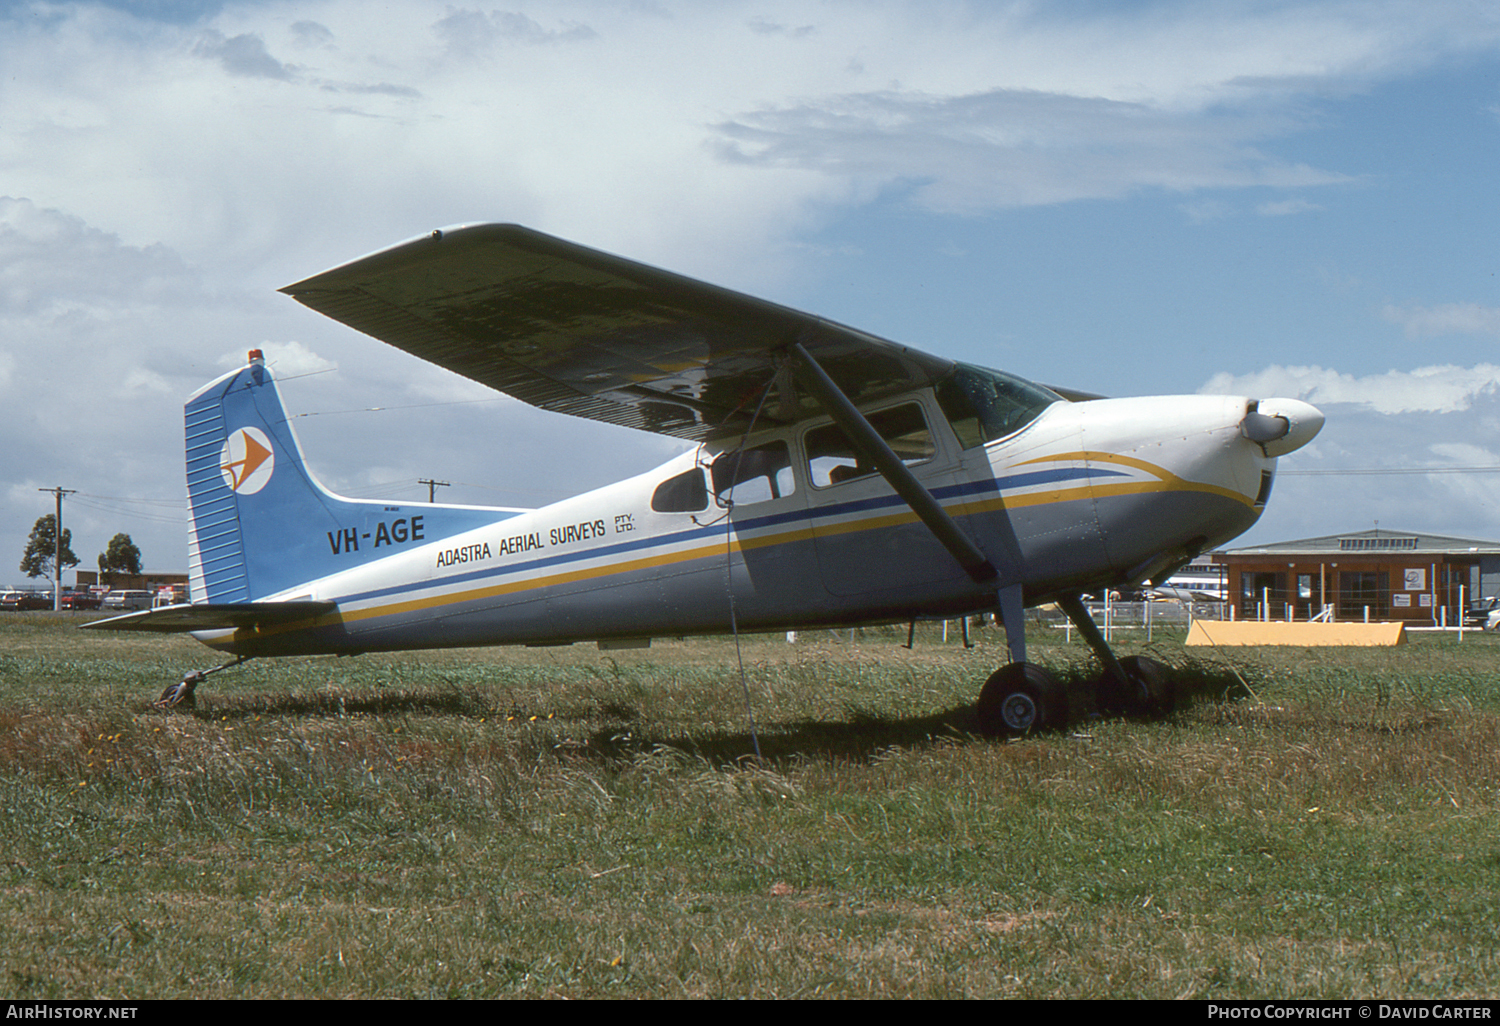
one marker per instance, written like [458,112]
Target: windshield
[984,405]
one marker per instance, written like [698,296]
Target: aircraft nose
[1281,426]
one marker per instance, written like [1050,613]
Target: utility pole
[59,492]
[432,487]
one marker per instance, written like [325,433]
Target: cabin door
[867,538]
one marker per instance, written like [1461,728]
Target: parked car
[81,600]
[1483,613]
[169,595]
[17,601]
[128,598]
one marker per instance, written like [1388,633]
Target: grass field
[566,822]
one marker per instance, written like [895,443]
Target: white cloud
[469,32]
[1002,148]
[1445,389]
[244,55]
[1444,319]
[309,35]
[1465,454]
[286,359]
[52,265]
[766,26]
[611,122]
[1206,211]
[1286,208]
[139,379]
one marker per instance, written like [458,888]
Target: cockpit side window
[831,458]
[984,405]
[685,493]
[757,474]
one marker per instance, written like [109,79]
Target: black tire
[1021,698]
[1150,691]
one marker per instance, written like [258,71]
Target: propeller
[1280,426]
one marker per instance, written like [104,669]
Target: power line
[112,509]
[143,502]
[1383,471]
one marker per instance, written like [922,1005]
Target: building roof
[1381,541]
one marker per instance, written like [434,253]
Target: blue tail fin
[260,524]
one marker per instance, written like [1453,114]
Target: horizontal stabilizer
[213,616]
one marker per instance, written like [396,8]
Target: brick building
[150,581]
[1396,575]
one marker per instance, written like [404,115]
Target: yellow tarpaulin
[1255,632]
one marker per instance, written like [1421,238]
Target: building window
[1361,589]
[1376,544]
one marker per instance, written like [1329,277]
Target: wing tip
[402,250]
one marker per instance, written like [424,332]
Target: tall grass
[574,823]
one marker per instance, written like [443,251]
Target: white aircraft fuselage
[837,479]
[1088,495]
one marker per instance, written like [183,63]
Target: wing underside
[575,330]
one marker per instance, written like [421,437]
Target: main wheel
[1021,698]
[1149,691]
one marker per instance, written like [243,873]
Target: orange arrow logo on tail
[245,455]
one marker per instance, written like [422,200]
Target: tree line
[120,556]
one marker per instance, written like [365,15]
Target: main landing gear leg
[1134,685]
[1020,697]
[181,694]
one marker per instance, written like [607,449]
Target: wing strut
[868,444]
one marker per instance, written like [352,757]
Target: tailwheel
[1021,698]
[180,695]
[1149,690]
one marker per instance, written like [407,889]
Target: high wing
[572,329]
[214,616]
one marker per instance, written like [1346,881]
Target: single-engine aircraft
[838,479]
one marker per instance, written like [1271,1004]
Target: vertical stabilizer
[260,524]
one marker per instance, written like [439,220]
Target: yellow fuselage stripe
[1168,482]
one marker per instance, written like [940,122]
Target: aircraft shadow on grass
[860,736]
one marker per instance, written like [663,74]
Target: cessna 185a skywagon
[838,479]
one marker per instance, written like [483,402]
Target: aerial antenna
[734,625]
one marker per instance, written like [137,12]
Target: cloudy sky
[1267,198]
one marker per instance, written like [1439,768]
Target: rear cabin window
[758,474]
[685,493]
[984,405]
[831,458]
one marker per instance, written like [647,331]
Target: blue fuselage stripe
[809,516]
